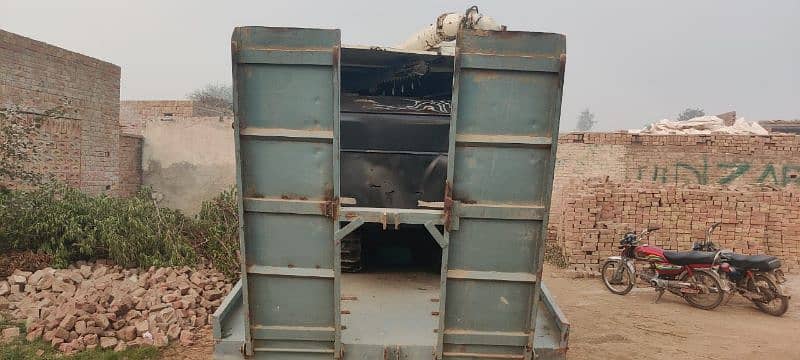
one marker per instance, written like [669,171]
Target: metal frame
[498,52]
[487,57]
[292,132]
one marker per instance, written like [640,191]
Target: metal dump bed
[487,302]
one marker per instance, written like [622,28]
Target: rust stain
[335,56]
[448,205]
[350,216]
[505,35]
[330,208]
[486,75]
[293,197]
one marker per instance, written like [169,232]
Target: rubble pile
[702,125]
[92,305]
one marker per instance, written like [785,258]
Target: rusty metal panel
[286,96]
[503,136]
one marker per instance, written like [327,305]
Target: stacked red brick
[608,183]
[596,213]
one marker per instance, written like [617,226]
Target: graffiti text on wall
[721,173]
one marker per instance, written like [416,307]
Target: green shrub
[217,232]
[70,226]
[134,232]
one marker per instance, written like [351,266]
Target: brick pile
[92,305]
[596,213]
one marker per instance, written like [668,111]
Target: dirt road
[608,326]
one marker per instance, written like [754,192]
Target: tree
[214,95]
[690,113]
[585,121]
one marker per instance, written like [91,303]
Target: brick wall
[680,160]
[609,183]
[81,148]
[130,163]
[134,113]
[755,220]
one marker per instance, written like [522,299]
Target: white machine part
[446,28]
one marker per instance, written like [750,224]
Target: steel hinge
[331,208]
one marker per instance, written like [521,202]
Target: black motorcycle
[756,277]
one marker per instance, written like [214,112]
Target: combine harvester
[342,165]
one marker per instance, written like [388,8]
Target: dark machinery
[395,119]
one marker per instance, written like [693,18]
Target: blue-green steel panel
[286,91]
[506,175]
[470,250]
[484,305]
[287,169]
[268,89]
[503,135]
[280,246]
[290,301]
[511,111]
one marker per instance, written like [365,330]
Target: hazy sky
[629,62]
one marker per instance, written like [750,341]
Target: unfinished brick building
[82,147]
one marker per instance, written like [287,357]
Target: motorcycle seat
[689,257]
[757,262]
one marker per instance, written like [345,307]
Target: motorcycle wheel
[708,301]
[778,304]
[621,285]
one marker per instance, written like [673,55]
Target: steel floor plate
[391,308]
[392,313]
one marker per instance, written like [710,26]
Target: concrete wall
[188,160]
[81,148]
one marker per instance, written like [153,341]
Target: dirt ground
[608,326]
[203,348]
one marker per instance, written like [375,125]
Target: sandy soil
[203,348]
[608,326]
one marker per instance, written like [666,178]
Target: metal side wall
[502,143]
[286,96]
[503,136]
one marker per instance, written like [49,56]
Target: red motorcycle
[691,275]
[756,277]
